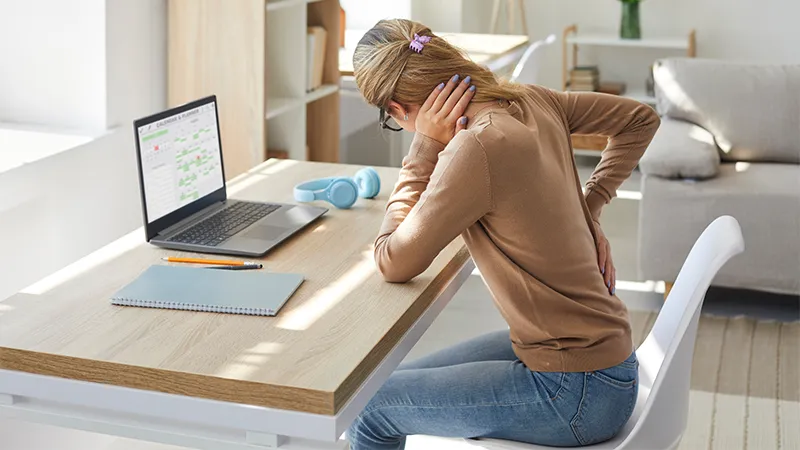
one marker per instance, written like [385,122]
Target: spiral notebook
[198,289]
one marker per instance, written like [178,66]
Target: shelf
[279,105]
[274,5]
[320,92]
[613,41]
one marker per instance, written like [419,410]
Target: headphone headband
[337,190]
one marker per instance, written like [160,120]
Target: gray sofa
[729,143]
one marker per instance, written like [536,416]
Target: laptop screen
[181,160]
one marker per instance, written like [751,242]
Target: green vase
[630,28]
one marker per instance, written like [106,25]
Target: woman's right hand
[604,260]
[442,114]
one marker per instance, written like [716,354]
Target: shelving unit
[573,39]
[252,55]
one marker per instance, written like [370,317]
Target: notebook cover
[200,289]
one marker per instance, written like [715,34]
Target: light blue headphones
[341,192]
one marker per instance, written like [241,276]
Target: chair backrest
[527,69]
[665,357]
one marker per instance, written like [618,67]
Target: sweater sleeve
[440,193]
[629,125]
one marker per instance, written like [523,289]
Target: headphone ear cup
[369,182]
[343,193]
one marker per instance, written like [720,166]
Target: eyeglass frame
[383,121]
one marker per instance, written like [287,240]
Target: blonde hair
[387,69]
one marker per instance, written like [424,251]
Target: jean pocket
[618,377]
[609,397]
[630,363]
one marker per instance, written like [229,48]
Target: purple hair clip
[419,42]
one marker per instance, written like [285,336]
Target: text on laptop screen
[181,160]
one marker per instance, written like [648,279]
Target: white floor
[470,314]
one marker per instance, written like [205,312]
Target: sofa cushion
[753,111]
[761,196]
[681,150]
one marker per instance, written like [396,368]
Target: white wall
[763,31]
[65,206]
[53,57]
[78,200]
[363,14]
[438,15]
[136,59]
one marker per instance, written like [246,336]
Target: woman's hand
[604,259]
[441,116]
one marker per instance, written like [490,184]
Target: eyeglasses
[384,121]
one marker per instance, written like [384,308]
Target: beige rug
[745,383]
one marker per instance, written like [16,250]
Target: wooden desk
[305,373]
[491,50]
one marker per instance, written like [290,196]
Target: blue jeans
[480,389]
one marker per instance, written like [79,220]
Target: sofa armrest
[681,150]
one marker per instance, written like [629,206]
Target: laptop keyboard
[224,224]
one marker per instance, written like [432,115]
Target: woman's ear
[397,111]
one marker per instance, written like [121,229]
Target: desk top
[311,357]
[481,48]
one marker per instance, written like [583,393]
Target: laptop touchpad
[264,232]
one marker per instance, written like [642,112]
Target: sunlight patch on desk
[86,264]
[265,348]
[250,360]
[276,166]
[241,370]
[326,298]
[236,187]
[257,175]
[320,228]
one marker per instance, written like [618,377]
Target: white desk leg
[264,439]
[6,400]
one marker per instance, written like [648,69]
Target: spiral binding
[192,307]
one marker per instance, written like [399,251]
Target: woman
[493,162]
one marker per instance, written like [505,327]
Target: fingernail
[603,270]
[455,78]
[608,284]
[472,88]
[440,86]
[462,121]
[467,80]
[613,290]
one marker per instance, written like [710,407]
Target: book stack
[584,78]
[315,52]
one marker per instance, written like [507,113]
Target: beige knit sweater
[509,185]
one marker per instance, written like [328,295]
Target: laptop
[182,182]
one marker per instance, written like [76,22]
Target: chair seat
[499,444]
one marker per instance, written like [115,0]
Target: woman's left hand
[441,116]
[604,259]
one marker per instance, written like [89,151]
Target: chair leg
[667,288]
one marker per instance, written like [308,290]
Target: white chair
[665,357]
[527,69]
